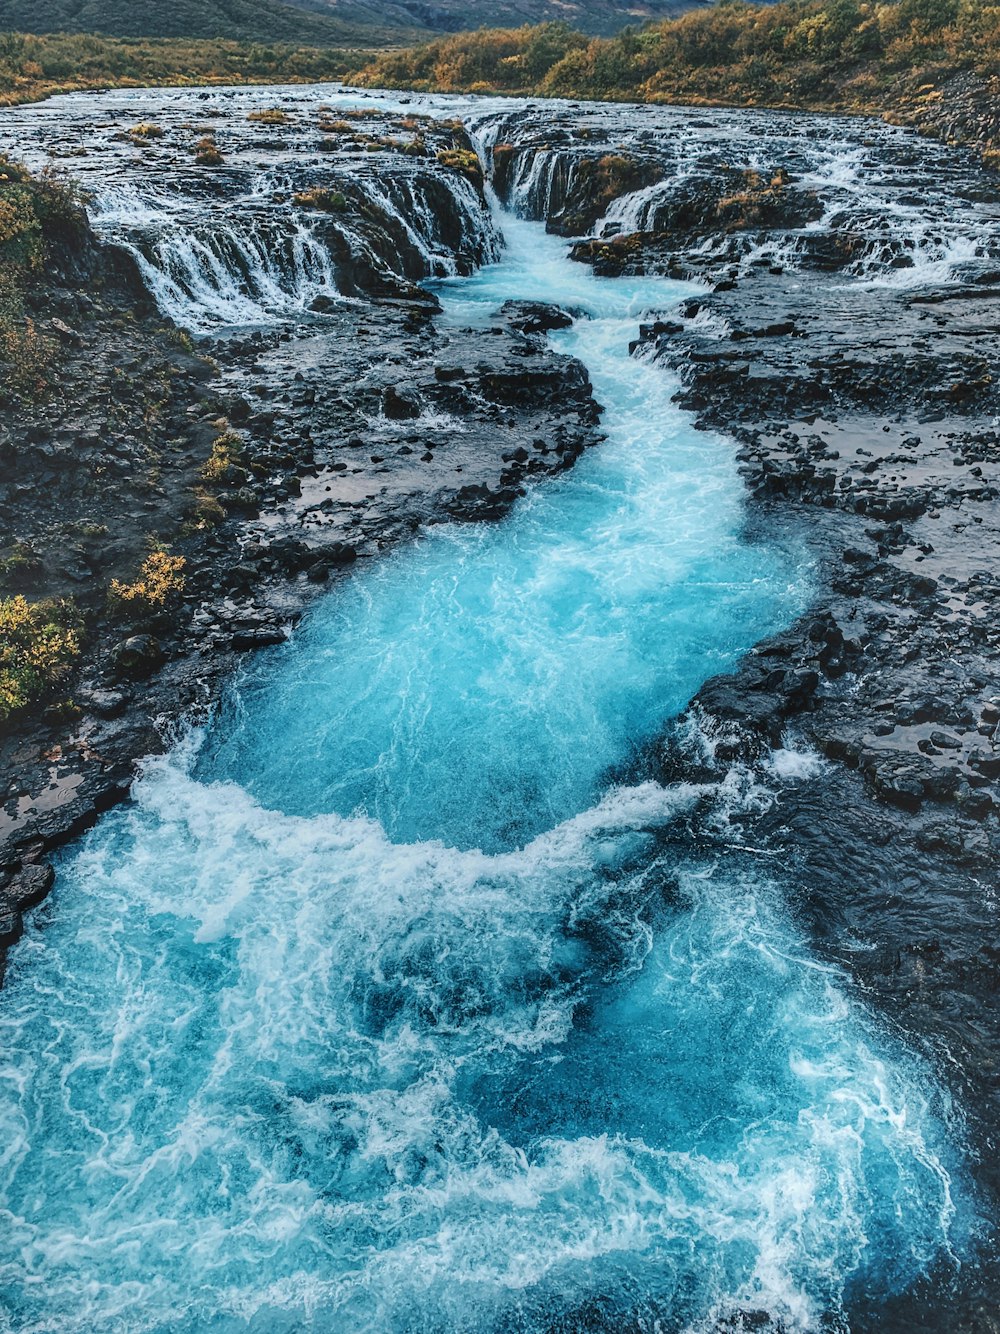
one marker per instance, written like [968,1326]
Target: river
[398,998]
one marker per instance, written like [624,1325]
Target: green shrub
[463,160]
[35,211]
[206,153]
[226,456]
[327,201]
[159,580]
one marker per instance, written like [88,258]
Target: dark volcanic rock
[401,403]
[135,658]
[535,317]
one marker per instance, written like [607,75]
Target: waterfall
[229,258]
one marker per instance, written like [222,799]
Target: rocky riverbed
[843,328]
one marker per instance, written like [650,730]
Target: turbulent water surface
[390,1004]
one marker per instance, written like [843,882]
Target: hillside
[235,20]
[594,17]
[929,63]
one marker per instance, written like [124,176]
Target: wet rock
[401,403]
[243,500]
[105,703]
[986,763]
[340,553]
[65,332]
[135,658]
[535,317]
[899,784]
[29,885]
[255,637]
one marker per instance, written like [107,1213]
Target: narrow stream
[383,1008]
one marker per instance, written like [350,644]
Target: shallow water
[381,1008]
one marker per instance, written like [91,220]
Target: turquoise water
[383,1009]
[477,687]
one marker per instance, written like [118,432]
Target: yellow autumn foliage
[38,644]
[160,578]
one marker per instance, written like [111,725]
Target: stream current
[389,1004]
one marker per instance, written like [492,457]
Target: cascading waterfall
[386,1006]
[238,276]
[238,260]
[541,178]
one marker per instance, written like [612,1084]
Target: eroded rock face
[570,190]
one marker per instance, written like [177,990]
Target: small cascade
[635,212]
[242,247]
[441,224]
[538,182]
[231,274]
[874,222]
[268,263]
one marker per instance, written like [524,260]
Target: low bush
[226,456]
[463,160]
[39,642]
[206,153]
[327,201]
[160,580]
[35,213]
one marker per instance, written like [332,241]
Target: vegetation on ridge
[34,212]
[35,67]
[856,55]
[39,641]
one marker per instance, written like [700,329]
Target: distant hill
[323,22]
[238,20]
[595,17]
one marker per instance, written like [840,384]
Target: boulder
[401,403]
[136,658]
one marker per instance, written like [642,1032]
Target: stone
[986,763]
[257,637]
[64,331]
[29,885]
[401,403]
[535,317]
[136,658]
[340,553]
[105,703]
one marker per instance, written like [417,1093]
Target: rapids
[399,998]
